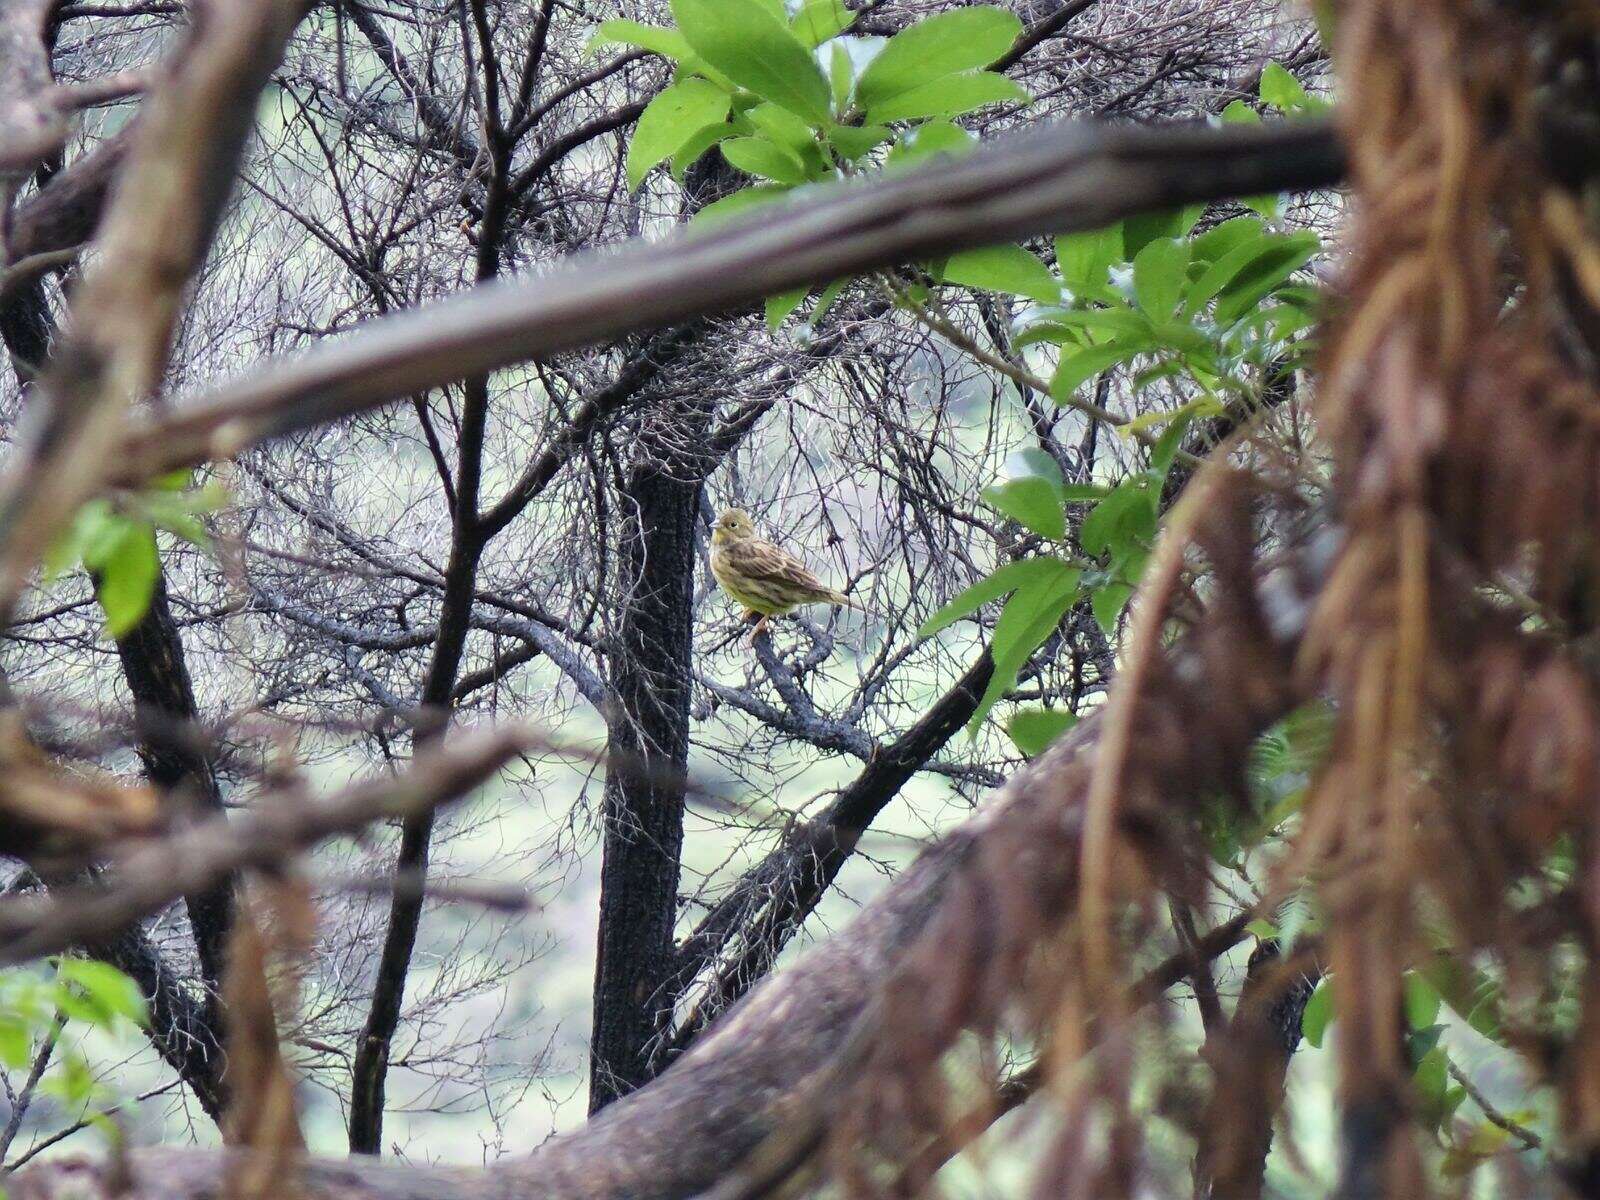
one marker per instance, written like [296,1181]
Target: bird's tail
[847,601]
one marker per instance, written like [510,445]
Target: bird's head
[734,525]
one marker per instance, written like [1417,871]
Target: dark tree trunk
[175,760]
[643,810]
[26,328]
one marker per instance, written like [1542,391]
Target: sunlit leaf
[1004,579]
[1281,90]
[1160,273]
[927,53]
[819,21]
[747,43]
[764,159]
[780,306]
[671,119]
[1033,729]
[1318,1014]
[1007,268]
[949,97]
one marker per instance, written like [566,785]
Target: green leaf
[841,77]
[1074,370]
[1085,259]
[782,126]
[181,520]
[1004,579]
[1240,113]
[88,526]
[1031,494]
[1470,992]
[779,307]
[928,52]
[1318,1014]
[1118,321]
[1262,928]
[825,301]
[1282,90]
[1029,617]
[1225,268]
[929,139]
[126,565]
[1033,502]
[1124,520]
[763,159]
[16,1042]
[949,97]
[111,993]
[1422,1001]
[1139,231]
[686,155]
[853,142]
[668,43]
[739,202]
[1432,1078]
[1107,603]
[671,119]
[1268,205]
[820,21]
[1160,273]
[1167,446]
[1007,268]
[744,41]
[1083,492]
[1211,245]
[1246,289]
[1033,729]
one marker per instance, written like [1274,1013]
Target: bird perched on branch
[766,579]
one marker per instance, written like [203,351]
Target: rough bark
[157,673]
[1251,1061]
[176,762]
[643,809]
[183,1028]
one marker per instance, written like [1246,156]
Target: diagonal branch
[181,165]
[769,903]
[1055,179]
[266,836]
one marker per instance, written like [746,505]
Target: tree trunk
[643,807]
[157,673]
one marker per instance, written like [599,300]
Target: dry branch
[270,833]
[1069,177]
[164,211]
[760,1068]
[33,120]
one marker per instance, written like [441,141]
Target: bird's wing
[766,563]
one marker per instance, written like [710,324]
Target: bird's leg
[760,628]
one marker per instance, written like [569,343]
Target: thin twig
[1493,1115]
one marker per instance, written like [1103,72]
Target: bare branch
[1051,180]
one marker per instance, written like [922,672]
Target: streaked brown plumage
[766,579]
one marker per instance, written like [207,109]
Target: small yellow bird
[766,579]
